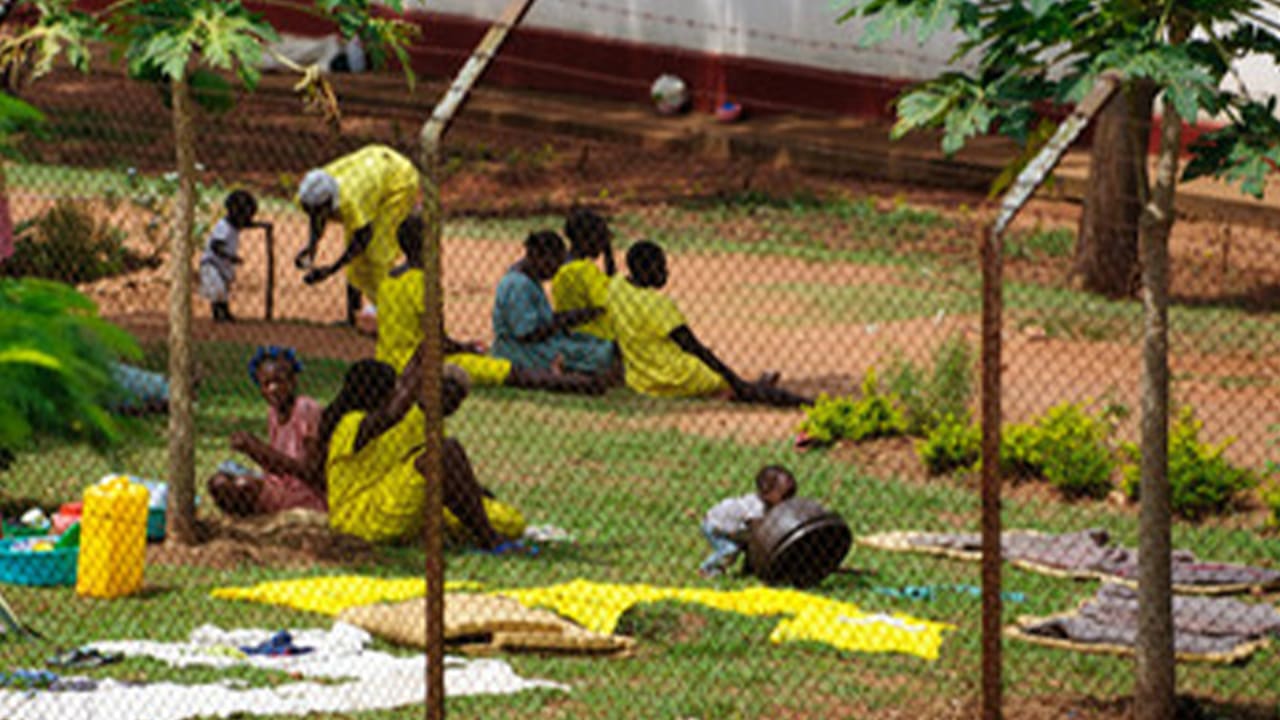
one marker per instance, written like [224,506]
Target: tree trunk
[181,510]
[1156,682]
[1107,250]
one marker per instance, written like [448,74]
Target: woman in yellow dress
[371,442]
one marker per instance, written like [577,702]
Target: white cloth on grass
[375,680]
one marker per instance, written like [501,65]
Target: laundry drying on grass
[1084,555]
[1205,629]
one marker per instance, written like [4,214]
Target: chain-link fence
[600,467]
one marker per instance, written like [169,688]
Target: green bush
[1020,452]
[945,392]
[1271,496]
[844,418]
[55,364]
[953,444]
[1067,446]
[69,245]
[1201,481]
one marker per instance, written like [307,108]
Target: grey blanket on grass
[1090,551]
[1202,625]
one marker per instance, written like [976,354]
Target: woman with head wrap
[370,191]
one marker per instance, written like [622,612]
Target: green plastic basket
[27,567]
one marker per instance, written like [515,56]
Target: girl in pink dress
[292,420]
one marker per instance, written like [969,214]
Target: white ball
[670,94]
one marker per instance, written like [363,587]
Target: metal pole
[270,239]
[1031,177]
[430,138]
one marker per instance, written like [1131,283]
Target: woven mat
[484,623]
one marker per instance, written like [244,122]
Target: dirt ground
[503,172]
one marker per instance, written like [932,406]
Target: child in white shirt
[219,261]
[728,523]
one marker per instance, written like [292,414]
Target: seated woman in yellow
[371,439]
[400,310]
[580,283]
[661,354]
[369,191]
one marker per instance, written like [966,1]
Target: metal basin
[799,542]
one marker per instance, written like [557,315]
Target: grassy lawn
[632,496]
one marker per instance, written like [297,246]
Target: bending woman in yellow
[370,191]
[371,439]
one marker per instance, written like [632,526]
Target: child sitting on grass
[580,283]
[402,303]
[727,525]
[293,422]
[661,354]
[219,261]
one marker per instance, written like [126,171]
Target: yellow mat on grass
[598,606]
[331,594]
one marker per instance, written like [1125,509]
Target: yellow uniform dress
[643,319]
[581,284]
[377,494]
[376,186]
[401,305]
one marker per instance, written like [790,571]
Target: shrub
[1201,480]
[844,418]
[68,244]
[945,392]
[1020,452]
[1271,496]
[55,364]
[1067,446]
[953,444]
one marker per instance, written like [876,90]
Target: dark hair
[366,386]
[644,256]
[241,202]
[274,353]
[584,227]
[409,236]
[543,242]
[769,477]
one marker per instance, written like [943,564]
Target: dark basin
[799,542]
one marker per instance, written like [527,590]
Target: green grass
[632,492]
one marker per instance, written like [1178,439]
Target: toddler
[219,261]
[728,523]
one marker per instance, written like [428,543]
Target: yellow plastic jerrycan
[113,538]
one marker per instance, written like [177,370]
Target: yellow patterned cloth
[331,594]
[597,607]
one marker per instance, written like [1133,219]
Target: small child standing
[218,263]
[728,523]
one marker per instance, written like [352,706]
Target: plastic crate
[28,567]
[155,524]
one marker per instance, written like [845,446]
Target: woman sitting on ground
[661,354]
[292,423]
[528,333]
[401,305]
[371,439]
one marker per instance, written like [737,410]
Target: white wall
[803,32]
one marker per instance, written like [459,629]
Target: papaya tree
[1031,52]
[1028,54]
[181,43]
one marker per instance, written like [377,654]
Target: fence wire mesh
[602,486]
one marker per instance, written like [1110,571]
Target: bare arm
[560,322]
[269,458]
[406,392]
[684,337]
[359,242]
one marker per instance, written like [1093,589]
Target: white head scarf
[318,188]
